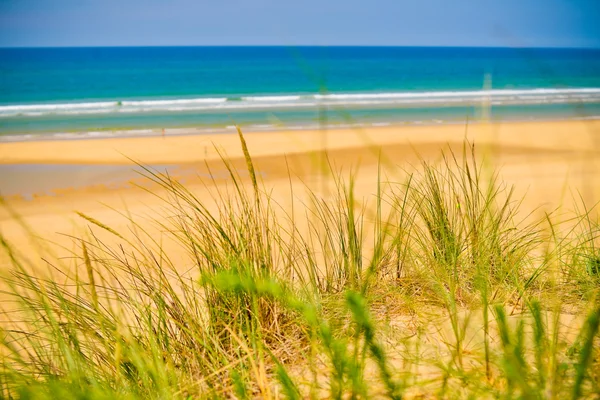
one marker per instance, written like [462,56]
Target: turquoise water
[83,91]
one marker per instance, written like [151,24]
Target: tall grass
[274,302]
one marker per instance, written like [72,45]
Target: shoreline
[192,130]
[192,147]
[30,170]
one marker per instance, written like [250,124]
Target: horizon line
[307,45]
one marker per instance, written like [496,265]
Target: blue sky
[530,23]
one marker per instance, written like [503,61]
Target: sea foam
[283,102]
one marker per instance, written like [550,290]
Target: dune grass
[443,288]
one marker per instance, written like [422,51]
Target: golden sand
[559,136]
[548,162]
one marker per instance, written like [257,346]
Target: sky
[504,23]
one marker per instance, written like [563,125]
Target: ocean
[91,92]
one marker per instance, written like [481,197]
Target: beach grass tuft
[444,288]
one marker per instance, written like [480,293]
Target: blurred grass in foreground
[454,298]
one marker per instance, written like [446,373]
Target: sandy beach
[182,149]
[548,162]
[268,200]
[553,166]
